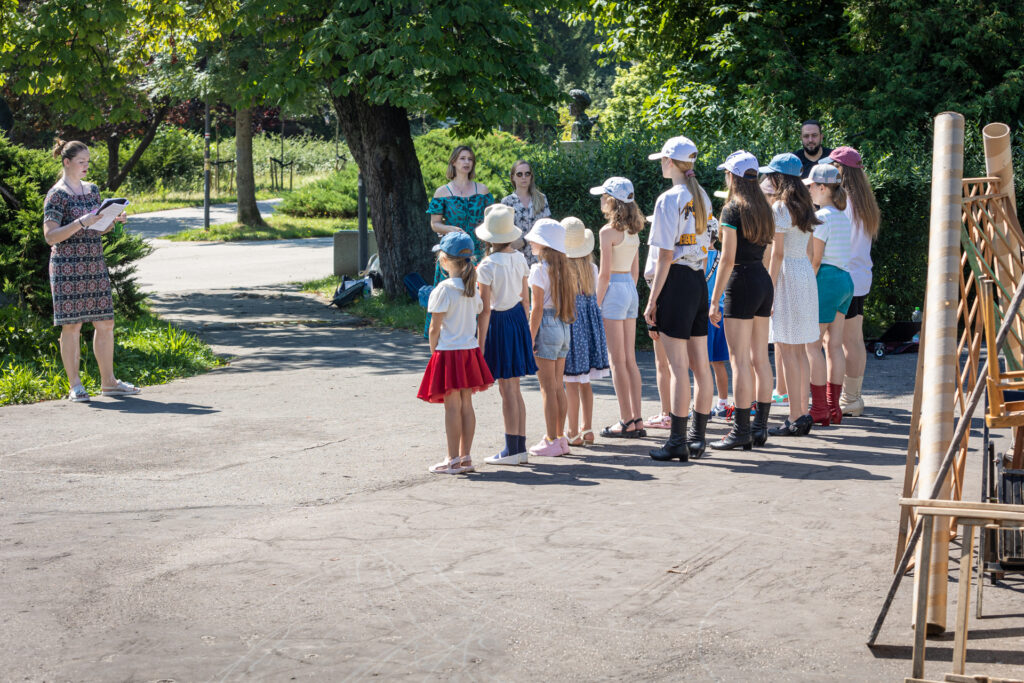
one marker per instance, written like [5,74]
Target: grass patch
[147,352]
[382,309]
[279,227]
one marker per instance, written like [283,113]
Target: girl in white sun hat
[552,310]
[503,329]
[588,348]
[617,297]
[678,303]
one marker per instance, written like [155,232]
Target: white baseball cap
[548,232]
[620,188]
[739,162]
[679,148]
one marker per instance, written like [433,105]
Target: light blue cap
[786,163]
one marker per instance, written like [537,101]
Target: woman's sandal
[619,433]
[120,389]
[662,421]
[575,439]
[453,466]
[586,441]
[640,432]
[466,463]
[78,394]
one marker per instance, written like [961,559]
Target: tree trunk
[248,212]
[381,144]
[118,176]
[113,155]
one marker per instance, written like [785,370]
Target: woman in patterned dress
[528,202]
[79,280]
[458,206]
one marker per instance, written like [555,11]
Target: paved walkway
[274,520]
[163,223]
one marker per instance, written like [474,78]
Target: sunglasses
[524,174]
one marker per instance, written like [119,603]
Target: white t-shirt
[539,277]
[652,259]
[860,254]
[674,227]
[458,329]
[834,231]
[503,273]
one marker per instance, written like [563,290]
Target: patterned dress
[79,280]
[795,313]
[462,212]
[524,220]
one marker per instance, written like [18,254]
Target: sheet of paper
[109,211]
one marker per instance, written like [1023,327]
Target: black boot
[759,429]
[676,446]
[739,435]
[802,425]
[695,440]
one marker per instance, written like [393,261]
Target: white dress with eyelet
[795,312]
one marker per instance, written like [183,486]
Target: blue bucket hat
[786,163]
[456,245]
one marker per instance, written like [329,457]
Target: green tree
[382,62]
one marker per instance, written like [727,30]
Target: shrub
[335,196]
[24,255]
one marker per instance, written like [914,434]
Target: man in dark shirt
[812,150]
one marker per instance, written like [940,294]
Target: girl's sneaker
[723,412]
[504,458]
[547,448]
[780,400]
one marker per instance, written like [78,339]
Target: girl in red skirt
[457,368]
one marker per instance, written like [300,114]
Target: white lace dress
[795,315]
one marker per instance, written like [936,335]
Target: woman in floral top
[529,203]
[79,280]
[458,205]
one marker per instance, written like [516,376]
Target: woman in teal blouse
[458,205]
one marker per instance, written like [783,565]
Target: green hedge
[335,196]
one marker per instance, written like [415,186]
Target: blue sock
[511,441]
[521,444]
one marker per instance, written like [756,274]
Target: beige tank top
[624,252]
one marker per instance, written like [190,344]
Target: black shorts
[749,292]
[856,307]
[683,304]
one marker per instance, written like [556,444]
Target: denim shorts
[621,302]
[552,342]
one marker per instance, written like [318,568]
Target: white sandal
[78,394]
[453,466]
[120,389]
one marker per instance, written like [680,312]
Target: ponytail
[460,268]
[563,287]
[701,210]
[838,195]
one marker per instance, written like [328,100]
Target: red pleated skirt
[454,370]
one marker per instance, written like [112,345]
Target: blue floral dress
[462,212]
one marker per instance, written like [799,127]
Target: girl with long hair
[677,307]
[830,257]
[552,310]
[747,228]
[865,217]
[618,299]
[795,313]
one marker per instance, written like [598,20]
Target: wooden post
[940,361]
[999,164]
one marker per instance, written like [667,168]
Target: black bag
[348,291]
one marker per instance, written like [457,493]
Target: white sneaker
[501,459]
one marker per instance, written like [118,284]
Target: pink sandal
[662,421]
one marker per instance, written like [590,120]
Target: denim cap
[548,232]
[456,245]
[620,188]
[680,148]
[786,163]
[739,162]
[826,174]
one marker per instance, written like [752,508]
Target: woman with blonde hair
[862,210]
[528,202]
[678,303]
[458,206]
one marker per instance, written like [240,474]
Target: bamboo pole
[962,426]
[999,164]
[940,361]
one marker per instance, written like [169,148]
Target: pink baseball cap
[847,156]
